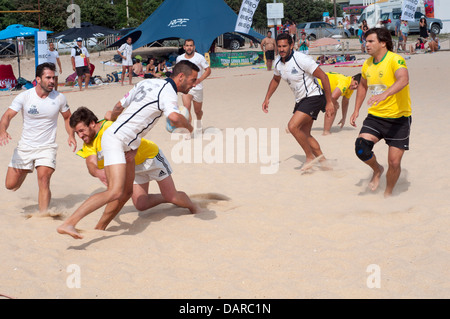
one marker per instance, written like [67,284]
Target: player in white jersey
[125,51]
[300,71]
[134,116]
[195,95]
[53,57]
[37,147]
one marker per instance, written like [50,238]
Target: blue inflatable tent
[200,20]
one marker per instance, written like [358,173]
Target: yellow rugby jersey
[147,149]
[381,76]
[340,81]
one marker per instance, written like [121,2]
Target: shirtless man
[268,46]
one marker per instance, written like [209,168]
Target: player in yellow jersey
[386,77]
[150,162]
[341,85]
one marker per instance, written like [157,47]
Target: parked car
[66,47]
[388,20]
[7,49]
[320,29]
[232,41]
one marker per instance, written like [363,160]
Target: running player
[37,147]
[195,95]
[386,77]
[134,115]
[300,71]
[151,164]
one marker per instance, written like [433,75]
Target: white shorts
[153,169]
[127,62]
[197,94]
[113,149]
[28,159]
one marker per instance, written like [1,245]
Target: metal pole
[335,14]
[128,24]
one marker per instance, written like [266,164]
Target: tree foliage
[294,10]
[113,13]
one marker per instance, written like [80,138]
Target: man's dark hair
[41,67]
[383,35]
[285,36]
[357,77]
[189,40]
[82,114]
[184,67]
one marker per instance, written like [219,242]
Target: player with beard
[134,116]
[300,71]
[195,95]
[37,147]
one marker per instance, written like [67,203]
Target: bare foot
[375,181]
[310,163]
[325,165]
[326,133]
[195,209]
[69,230]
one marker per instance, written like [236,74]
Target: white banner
[245,17]
[40,47]
[409,9]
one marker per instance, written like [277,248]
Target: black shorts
[81,70]
[311,105]
[270,54]
[395,132]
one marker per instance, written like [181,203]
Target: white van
[372,13]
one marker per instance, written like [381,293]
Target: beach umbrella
[18,30]
[85,31]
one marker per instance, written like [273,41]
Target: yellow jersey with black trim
[147,149]
[340,81]
[381,76]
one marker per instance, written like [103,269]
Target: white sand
[282,235]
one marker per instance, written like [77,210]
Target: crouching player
[151,164]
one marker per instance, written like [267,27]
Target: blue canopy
[200,20]
[18,30]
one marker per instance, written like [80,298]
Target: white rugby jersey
[297,71]
[200,61]
[143,105]
[40,117]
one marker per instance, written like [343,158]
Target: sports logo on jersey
[162,173]
[401,62]
[33,110]
[100,156]
[380,74]
[294,71]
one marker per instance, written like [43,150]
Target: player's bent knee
[363,149]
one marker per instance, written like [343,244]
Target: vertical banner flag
[409,9]
[429,8]
[245,17]
[40,45]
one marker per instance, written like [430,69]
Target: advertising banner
[245,17]
[225,59]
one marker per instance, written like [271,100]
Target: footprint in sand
[53,213]
[207,199]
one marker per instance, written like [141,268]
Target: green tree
[307,10]
[99,12]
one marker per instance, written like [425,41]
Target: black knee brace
[363,149]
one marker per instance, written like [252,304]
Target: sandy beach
[267,231]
